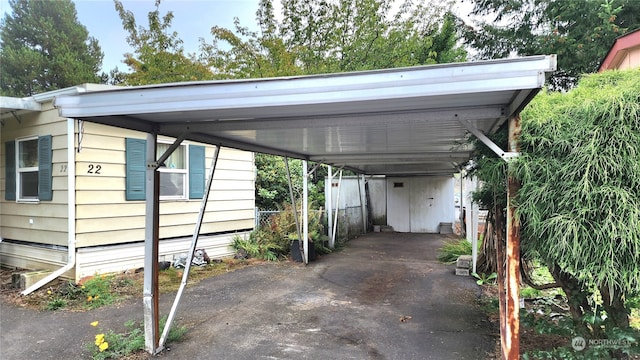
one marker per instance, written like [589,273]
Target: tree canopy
[44,47]
[326,37]
[158,52]
[580,32]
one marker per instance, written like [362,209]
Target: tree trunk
[613,304]
[487,257]
[577,300]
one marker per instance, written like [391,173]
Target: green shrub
[273,241]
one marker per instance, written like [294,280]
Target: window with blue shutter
[10,170]
[136,157]
[45,176]
[196,171]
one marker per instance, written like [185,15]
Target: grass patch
[452,249]
[112,345]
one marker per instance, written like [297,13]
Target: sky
[192,20]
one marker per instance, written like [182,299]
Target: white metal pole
[293,206]
[474,237]
[363,210]
[305,210]
[332,244]
[329,196]
[194,243]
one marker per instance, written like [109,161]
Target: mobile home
[73,193]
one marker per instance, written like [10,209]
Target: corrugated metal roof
[390,122]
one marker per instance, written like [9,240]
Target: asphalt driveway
[384,296]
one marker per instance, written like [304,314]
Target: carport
[402,122]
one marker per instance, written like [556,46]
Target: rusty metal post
[152,221]
[511,340]
[500,266]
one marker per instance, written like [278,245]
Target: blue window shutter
[45,167]
[10,170]
[196,171]
[136,169]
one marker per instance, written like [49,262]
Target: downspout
[71,213]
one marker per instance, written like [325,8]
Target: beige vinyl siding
[43,222]
[105,217]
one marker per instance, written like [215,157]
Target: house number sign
[95,169]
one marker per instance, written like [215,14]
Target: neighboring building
[624,54]
[74,191]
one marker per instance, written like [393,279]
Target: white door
[419,204]
[398,200]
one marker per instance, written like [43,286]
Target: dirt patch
[124,286]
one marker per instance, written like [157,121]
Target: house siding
[42,222]
[105,217]
[110,231]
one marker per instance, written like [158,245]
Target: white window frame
[21,170]
[185,172]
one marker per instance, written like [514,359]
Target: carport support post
[362,204]
[330,205]
[511,340]
[305,210]
[152,221]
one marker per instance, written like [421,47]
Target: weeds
[452,249]
[112,345]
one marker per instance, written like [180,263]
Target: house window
[27,169]
[173,175]
[182,177]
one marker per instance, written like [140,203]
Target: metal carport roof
[405,121]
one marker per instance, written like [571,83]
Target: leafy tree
[580,194]
[159,54]
[44,47]
[580,32]
[326,37]
[579,201]
[272,186]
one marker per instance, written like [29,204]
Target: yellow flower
[95,323]
[104,346]
[89,298]
[82,287]
[99,339]
[49,292]
[95,297]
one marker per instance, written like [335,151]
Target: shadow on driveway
[384,296]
